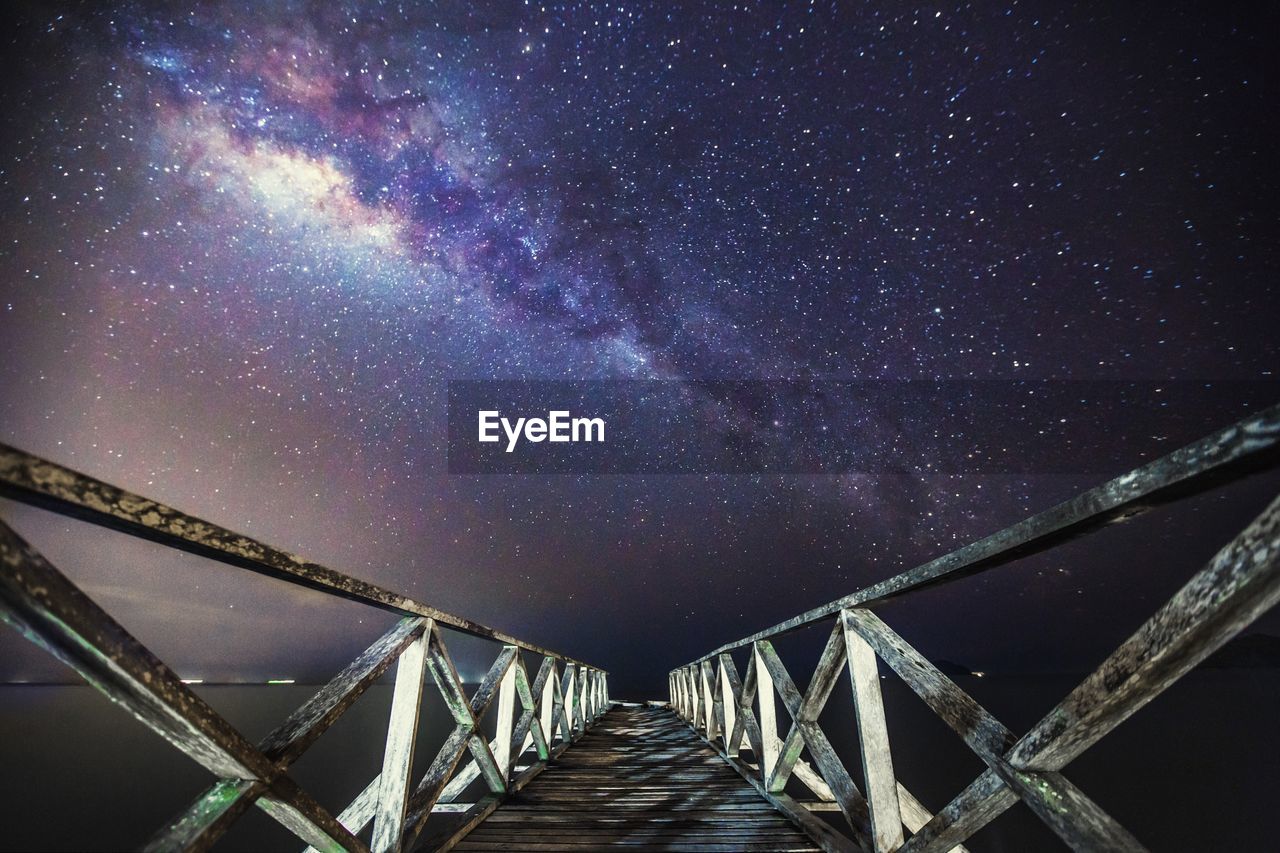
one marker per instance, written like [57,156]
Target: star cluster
[247,244]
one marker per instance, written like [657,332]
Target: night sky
[246,246]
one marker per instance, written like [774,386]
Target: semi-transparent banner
[833,427]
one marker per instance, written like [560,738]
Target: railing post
[570,696]
[690,699]
[700,709]
[873,734]
[729,705]
[397,757]
[506,719]
[549,704]
[709,694]
[769,744]
[695,689]
[717,697]
[584,676]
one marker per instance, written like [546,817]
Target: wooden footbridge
[539,757]
[639,778]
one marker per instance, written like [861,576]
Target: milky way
[247,245]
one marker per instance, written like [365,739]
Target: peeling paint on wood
[42,483]
[47,608]
[1240,584]
[1251,444]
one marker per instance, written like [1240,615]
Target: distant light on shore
[193,681]
[279,681]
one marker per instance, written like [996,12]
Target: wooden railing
[537,718]
[727,704]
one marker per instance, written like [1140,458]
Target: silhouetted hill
[951,668]
[1252,651]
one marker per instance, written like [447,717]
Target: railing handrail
[537,716]
[1244,447]
[1229,593]
[39,482]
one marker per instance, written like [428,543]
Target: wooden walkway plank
[640,779]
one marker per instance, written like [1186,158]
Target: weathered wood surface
[46,484]
[641,780]
[873,734]
[1240,584]
[1247,445]
[47,608]
[1045,793]
[212,813]
[397,759]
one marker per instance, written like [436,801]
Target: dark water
[1197,770]
[82,774]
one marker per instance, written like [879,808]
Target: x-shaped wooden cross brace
[984,734]
[548,705]
[47,608]
[1239,584]
[492,761]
